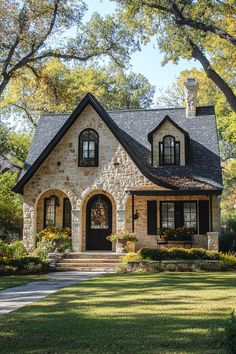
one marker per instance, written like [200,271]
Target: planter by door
[99,223]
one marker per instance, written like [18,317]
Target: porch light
[136,215]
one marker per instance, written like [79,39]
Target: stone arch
[39,207]
[86,198]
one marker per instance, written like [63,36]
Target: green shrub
[131,257]
[5,250]
[228,261]
[154,254]
[24,265]
[229,335]
[178,253]
[18,249]
[53,239]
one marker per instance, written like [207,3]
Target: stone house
[141,169]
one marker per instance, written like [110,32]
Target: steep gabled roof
[166,119]
[131,128]
[29,170]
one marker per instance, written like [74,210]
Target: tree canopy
[202,30]
[34,31]
[60,88]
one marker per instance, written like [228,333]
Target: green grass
[16,280]
[126,314]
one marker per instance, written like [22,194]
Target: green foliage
[178,253]
[61,88]
[11,215]
[122,236]
[131,257]
[24,265]
[18,249]
[228,261]
[179,234]
[229,334]
[53,239]
[203,30]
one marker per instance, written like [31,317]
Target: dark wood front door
[99,223]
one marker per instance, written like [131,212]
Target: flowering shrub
[122,236]
[53,239]
[179,234]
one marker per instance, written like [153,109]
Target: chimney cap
[191,82]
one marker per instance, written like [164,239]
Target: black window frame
[178,206]
[44,216]
[65,200]
[88,161]
[162,152]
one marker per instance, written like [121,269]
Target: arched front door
[99,223]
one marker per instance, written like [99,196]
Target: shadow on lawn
[125,314]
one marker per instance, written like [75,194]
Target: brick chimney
[191,87]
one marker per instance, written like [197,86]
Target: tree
[11,214]
[208,94]
[31,32]
[202,30]
[60,88]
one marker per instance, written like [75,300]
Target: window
[178,214]
[169,151]
[190,215]
[168,215]
[66,213]
[49,211]
[88,148]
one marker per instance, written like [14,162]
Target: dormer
[169,144]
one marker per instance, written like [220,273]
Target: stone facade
[59,174]
[114,175]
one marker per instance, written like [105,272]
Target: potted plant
[125,241]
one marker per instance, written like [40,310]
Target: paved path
[13,298]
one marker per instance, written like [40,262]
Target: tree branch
[212,74]
[185,21]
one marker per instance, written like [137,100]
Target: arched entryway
[98,223]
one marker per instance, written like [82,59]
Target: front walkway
[13,298]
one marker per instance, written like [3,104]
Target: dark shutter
[151,217]
[66,213]
[203,216]
[179,214]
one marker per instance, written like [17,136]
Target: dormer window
[169,150]
[88,148]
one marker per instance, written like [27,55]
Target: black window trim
[44,213]
[161,158]
[80,164]
[181,201]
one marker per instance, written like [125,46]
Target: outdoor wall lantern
[136,215]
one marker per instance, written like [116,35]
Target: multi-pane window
[169,151]
[66,213]
[88,148]
[190,215]
[168,215]
[49,211]
[178,214]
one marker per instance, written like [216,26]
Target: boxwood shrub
[178,253]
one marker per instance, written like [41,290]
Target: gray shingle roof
[133,127]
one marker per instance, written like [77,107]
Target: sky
[148,60]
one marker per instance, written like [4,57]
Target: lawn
[16,280]
[126,314]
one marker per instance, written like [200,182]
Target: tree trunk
[212,74]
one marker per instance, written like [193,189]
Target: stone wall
[78,182]
[168,129]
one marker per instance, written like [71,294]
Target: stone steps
[90,262]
